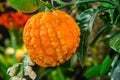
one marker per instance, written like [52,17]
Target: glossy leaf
[86,18]
[110,11]
[115,62]
[105,65]
[116,73]
[85,21]
[26,6]
[82,49]
[115,42]
[93,71]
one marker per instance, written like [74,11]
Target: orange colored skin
[51,38]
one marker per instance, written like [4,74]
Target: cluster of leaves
[85,21]
[110,64]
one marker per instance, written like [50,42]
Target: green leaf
[110,11]
[93,71]
[116,73]
[67,66]
[57,74]
[105,65]
[115,41]
[81,51]
[60,2]
[73,60]
[118,6]
[3,66]
[85,19]
[115,62]
[42,9]
[3,60]
[43,73]
[26,6]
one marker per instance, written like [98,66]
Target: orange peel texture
[51,38]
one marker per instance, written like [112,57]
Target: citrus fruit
[51,38]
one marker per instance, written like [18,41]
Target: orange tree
[52,36]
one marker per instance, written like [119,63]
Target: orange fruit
[51,38]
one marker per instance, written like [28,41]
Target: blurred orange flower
[6,20]
[16,19]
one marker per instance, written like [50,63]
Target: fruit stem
[47,4]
